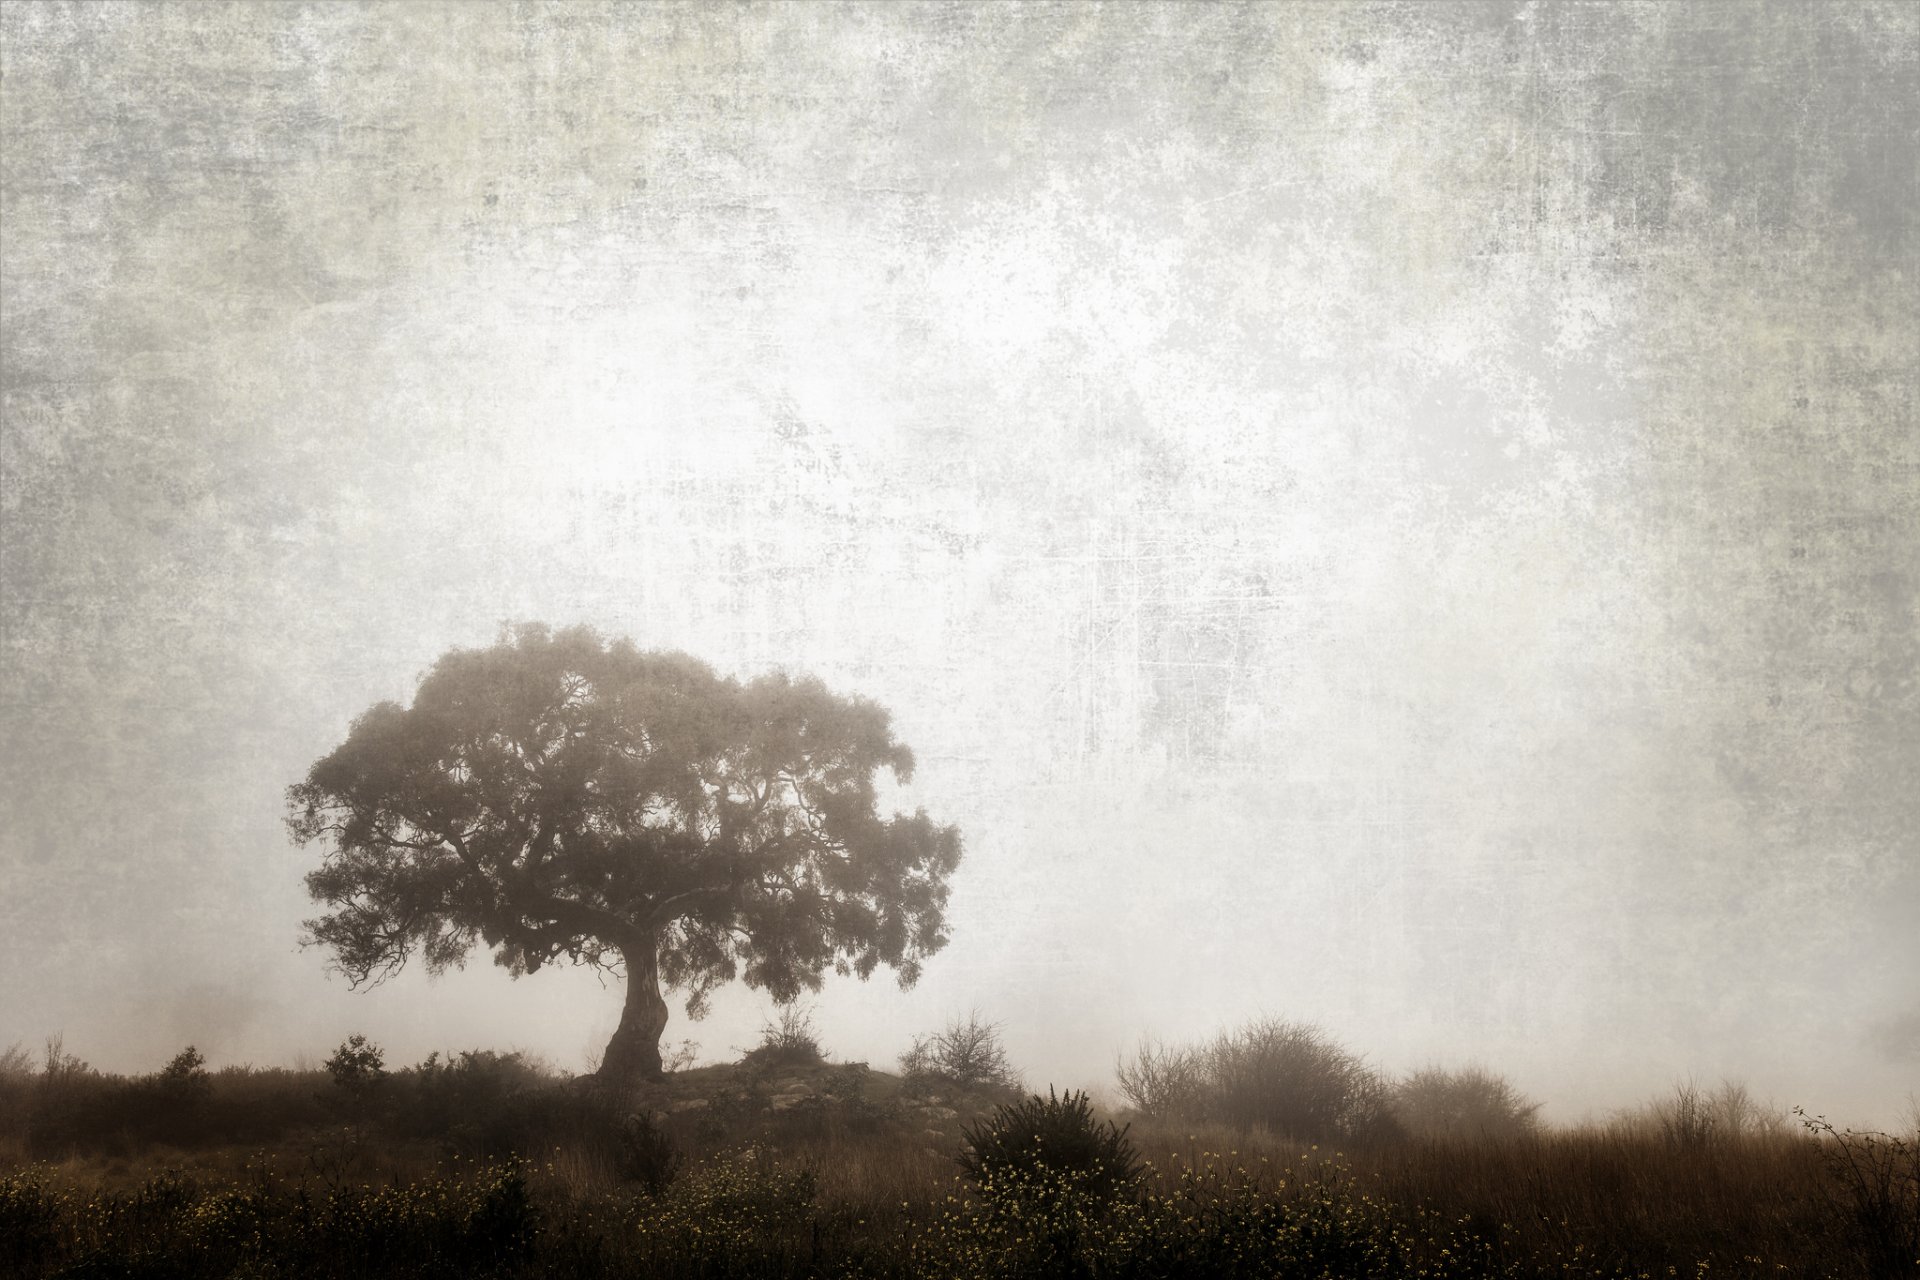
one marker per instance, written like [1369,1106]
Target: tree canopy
[557,796]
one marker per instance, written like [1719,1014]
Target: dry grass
[1657,1193]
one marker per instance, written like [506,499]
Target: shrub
[1166,1083]
[679,1058]
[1468,1104]
[16,1087]
[1692,1119]
[357,1066]
[645,1154]
[1292,1079]
[460,1096]
[184,1079]
[62,1067]
[1284,1077]
[29,1221]
[789,1041]
[1686,1119]
[1035,1141]
[74,1108]
[1877,1180]
[968,1054]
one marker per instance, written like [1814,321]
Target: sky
[1404,517]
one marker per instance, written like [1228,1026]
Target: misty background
[1401,516]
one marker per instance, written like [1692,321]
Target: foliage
[967,1054]
[1043,1137]
[559,797]
[645,1154]
[1210,1217]
[1283,1077]
[1878,1178]
[16,1089]
[30,1220]
[358,1066]
[481,1223]
[1468,1104]
[60,1067]
[184,1079]
[1580,1204]
[15,1062]
[789,1040]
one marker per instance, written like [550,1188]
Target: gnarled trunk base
[634,1051]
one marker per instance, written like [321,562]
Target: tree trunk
[634,1051]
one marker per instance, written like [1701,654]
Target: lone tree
[559,796]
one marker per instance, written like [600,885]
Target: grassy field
[792,1167]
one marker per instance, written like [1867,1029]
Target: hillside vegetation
[1232,1161]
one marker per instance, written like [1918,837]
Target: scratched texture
[1404,515]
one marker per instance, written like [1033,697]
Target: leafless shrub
[1877,1177]
[681,1057]
[1168,1083]
[968,1053]
[1469,1104]
[1692,1118]
[60,1067]
[16,1064]
[1686,1119]
[1284,1077]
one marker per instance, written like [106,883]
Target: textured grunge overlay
[1405,516]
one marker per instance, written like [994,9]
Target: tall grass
[423,1172]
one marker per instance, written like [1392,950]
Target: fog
[1405,518]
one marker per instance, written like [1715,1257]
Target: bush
[1470,1104]
[184,1080]
[16,1087]
[680,1058]
[1284,1077]
[1035,1141]
[645,1154]
[1693,1119]
[789,1041]
[29,1221]
[16,1064]
[460,1096]
[1876,1178]
[1166,1083]
[74,1108]
[968,1054]
[357,1066]
[61,1067]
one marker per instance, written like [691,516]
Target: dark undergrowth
[482,1165]
[1541,1212]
